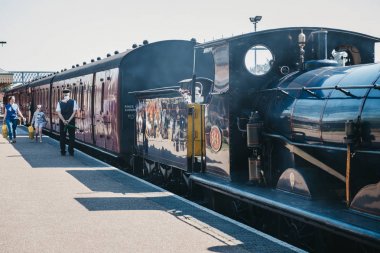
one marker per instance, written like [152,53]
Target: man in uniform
[66,109]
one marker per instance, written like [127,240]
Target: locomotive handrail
[336,87]
[312,93]
[309,90]
[155,92]
[284,92]
[344,91]
[155,89]
[238,124]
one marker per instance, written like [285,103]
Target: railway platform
[54,203]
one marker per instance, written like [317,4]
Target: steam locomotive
[285,119]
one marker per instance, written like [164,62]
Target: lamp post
[255,20]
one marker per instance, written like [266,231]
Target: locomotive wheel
[240,210]
[263,220]
[165,172]
[137,166]
[148,168]
[365,200]
[209,198]
[295,232]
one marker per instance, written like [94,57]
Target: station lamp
[255,20]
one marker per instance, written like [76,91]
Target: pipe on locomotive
[301,44]
[321,44]
[351,138]
[193,101]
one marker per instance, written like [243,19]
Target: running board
[315,213]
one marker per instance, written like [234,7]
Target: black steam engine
[286,120]
[289,123]
[297,110]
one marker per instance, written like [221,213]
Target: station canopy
[6,78]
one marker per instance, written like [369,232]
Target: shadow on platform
[228,248]
[109,181]
[47,154]
[116,204]
[154,199]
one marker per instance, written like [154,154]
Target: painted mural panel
[161,125]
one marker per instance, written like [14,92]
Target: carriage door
[86,107]
[99,109]
[110,116]
[76,95]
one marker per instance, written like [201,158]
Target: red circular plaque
[215,138]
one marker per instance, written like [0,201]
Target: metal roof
[224,40]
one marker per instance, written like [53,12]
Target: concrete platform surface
[50,203]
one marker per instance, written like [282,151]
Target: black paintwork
[311,118]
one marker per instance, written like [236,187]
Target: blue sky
[49,35]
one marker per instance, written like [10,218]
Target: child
[39,121]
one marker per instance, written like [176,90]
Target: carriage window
[102,99]
[46,99]
[81,97]
[258,60]
[54,103]
[75,94]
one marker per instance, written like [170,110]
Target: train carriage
[106,114]
[95,87]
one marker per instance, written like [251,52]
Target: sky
[50,35]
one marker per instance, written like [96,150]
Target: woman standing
[11,118]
